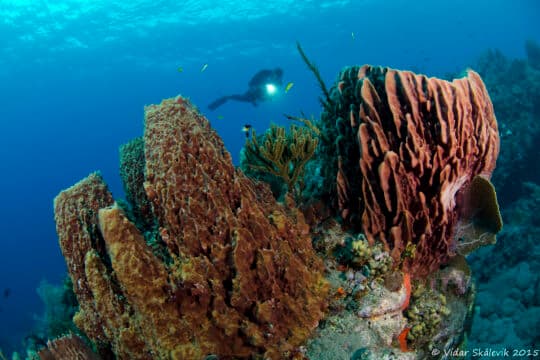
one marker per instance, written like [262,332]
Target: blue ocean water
[75,76]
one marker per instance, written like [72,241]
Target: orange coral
[402,339]
[242,279]
[340,292]
[407,286]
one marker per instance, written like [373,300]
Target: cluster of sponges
[240,276]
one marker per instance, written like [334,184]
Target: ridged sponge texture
[241,277]
[408,151]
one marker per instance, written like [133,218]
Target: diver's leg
[238,97]
[218,102]
[247,97]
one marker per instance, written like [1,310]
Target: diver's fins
[217,103]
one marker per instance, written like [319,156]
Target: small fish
[220,117]
[180,69]
[204,67]
[246,129]
[289,86]
[352,36]
[7,292]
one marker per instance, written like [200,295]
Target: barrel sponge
[241,277]
[76,215]
[408,152]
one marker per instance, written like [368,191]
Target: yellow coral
[283,154]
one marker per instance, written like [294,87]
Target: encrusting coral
[425,315]
[243,278]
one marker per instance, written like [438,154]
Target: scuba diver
[261,88]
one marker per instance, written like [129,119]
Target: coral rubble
[242,277]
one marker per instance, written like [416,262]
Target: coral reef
[202,262]
[426,315]
[388,316]
[60,306]
[373,308]
[243,278]
[359,253]
[440,312]
[532,49]
[508,301]
[420,142]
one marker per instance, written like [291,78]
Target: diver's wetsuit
[257,88]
